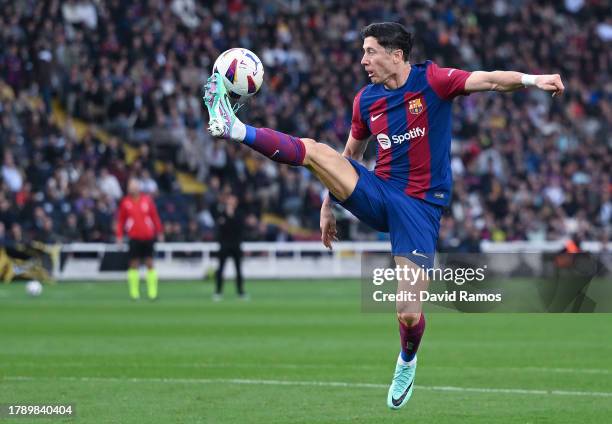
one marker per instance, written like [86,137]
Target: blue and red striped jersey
[412,126]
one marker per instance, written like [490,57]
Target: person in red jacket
[138,217]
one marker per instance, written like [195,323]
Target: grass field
[297,352]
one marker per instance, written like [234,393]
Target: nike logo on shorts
[416,253]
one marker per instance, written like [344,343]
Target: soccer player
[138,216]
[407,110]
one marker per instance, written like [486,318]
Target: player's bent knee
[319,154]
[309,144]
[312,148]
[409,318]
[308,141]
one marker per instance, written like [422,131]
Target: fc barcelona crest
[415,106]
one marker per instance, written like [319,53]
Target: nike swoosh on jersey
[451,71]
[375,117]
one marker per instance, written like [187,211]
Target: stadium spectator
[109,184]
[71,230]
[11,174]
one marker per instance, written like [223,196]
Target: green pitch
[297,352]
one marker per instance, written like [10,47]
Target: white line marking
[535,369]
[309,383]
[566,370]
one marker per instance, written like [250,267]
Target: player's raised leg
[334,171]
[411,329]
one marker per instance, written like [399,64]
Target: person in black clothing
[230,229]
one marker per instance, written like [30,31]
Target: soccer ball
[34,288]
[242,72]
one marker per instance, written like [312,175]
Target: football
[34,288]
[242,72]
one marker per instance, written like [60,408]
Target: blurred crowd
[526,166]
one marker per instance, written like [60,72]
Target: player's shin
[133,282]
[409,312]
[152,283]
[410,338]
[279,147]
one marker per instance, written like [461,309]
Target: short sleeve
[447,83]
[359,129]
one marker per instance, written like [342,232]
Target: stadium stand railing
[267,260]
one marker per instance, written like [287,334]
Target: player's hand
[160,237]
[550,83]
[328,226]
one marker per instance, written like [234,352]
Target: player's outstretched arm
[511,81]
[354,149]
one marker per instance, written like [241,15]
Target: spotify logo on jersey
[383,140]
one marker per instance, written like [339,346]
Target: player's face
[377,61]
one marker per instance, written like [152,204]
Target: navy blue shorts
[412,223]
